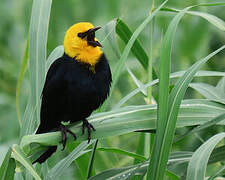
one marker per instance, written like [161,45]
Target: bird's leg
[65,130]
[89,127]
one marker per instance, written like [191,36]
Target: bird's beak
[93,42]
[94,29]
[90,34]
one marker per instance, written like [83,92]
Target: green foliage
[186,123]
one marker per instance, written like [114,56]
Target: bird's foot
[64,130]
[89,127]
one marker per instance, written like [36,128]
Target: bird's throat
[89,55]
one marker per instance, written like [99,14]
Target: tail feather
[46,154]
[51,149]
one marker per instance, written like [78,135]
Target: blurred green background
[195,38]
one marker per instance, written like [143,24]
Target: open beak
[90,34]
[91,41]
[94,29]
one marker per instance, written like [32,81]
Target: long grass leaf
[19,82]
[172,76]
[91,161]
[212,122]
[37,51]
[19,156]
[209,91]
[129,45]
[158,163]
[132,118]
[7,168]
[198,163]
[219,23]
[122,152]
[175,99]
[55,54]
[61,166]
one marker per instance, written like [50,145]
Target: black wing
[53,103]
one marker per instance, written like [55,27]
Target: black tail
[44,156]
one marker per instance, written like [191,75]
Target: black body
[72,91]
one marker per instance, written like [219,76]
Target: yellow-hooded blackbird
[76,84]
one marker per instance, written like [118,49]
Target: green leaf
[125,34]
[160,152]
[125,173]
[136,81]
[198,163]
[212,122]
[168,109]
[55,54]
[175,99]
[7,168]
[91,161]
[209,91]
[130,119]
[220,171]
[217,155]
[122,152]
[140,150]
[219,23]
[61,166]
[172,75]
[19,156]
[120,64]
[171,175]
[19,82]
[121,173]
[27,121]
[37,53]
[221,85]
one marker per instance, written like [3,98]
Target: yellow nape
[78,48]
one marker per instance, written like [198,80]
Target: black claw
[89,127]
[64,131]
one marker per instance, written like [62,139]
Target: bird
[76,84]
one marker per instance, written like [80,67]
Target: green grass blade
[172,76]
[91,161]
[209,92]
[171,175]
[219,23]
[122,152]
[198,163]
[217,155]
[127,172]
[132,118]
[158,163]
[140,150]
[220,171]
[175,99]
[55,54]
[61,166]
[37,51]
[136,81]
[19,156]
[121,173]
[19,82]
[212,122]
[125,34]
[129,45]
[27,122]
[7,168]
[221,85]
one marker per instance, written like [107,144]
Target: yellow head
[80,43]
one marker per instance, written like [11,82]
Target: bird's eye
[82,35]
